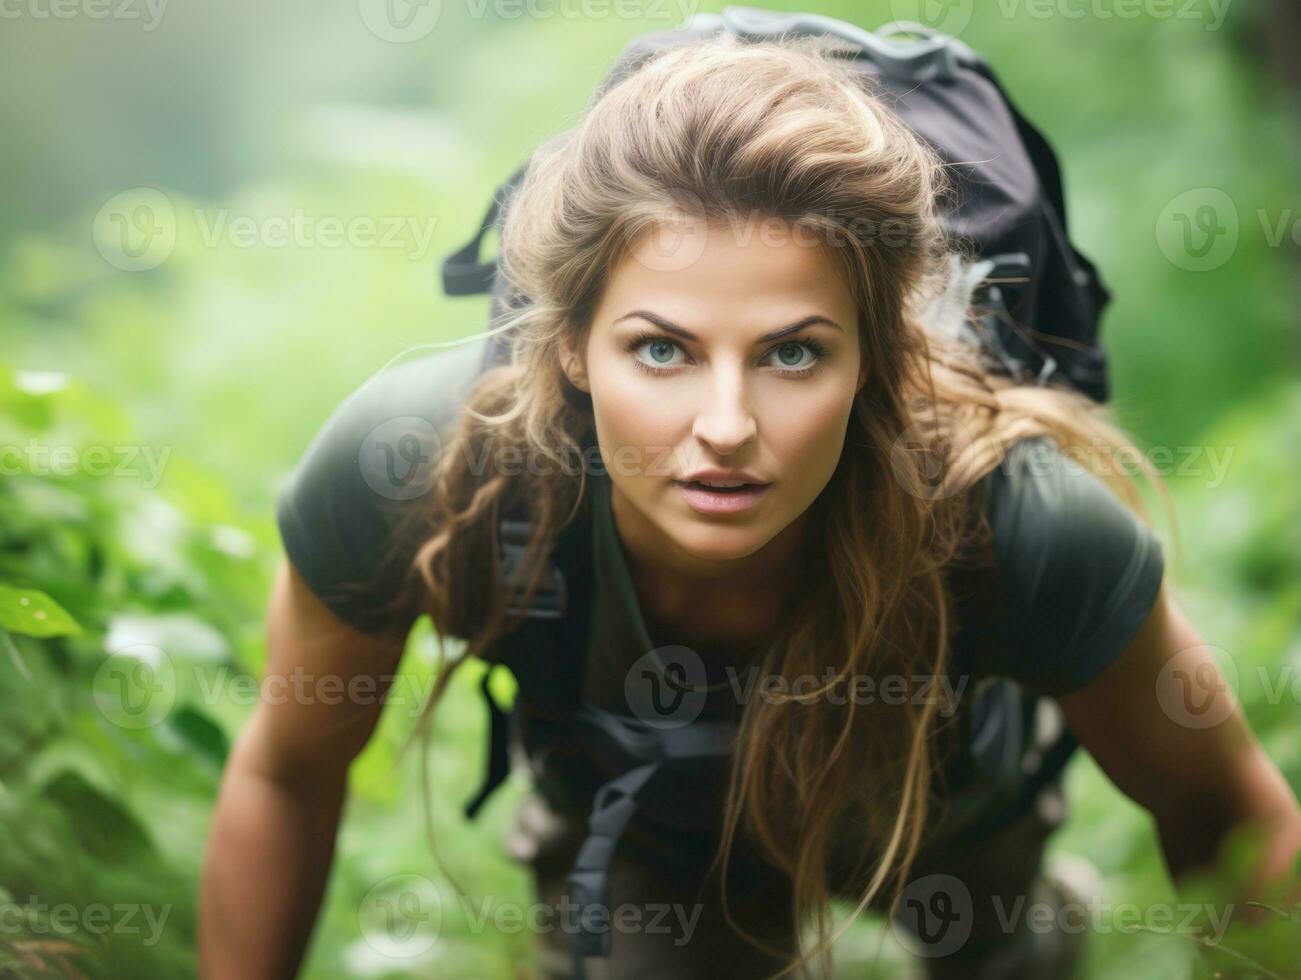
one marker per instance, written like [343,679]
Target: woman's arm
[273,832]
[1164,725]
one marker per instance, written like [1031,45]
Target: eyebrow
[673,328]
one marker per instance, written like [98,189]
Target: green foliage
[96,880]
[147,418]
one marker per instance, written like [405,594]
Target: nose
[727,421]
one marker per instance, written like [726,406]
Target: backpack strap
[498,761]
[463,272]
[545,653]
[545,650]
[644,748]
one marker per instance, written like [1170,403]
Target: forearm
[1192,836]
[267,863]
[1273,814]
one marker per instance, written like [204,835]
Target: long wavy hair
[725,130]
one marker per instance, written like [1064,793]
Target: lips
[718,500]
[705,486]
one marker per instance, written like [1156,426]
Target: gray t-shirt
[1079,571]
[349,513]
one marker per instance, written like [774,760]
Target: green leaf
[33,613]
[196,730]
[103,826]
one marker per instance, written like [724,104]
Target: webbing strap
[498,764]
[643,741]
[647,747]
[589,881]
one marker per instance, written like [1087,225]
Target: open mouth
[739,488]
[708,499]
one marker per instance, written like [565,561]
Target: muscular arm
[282,794]
[1166,728]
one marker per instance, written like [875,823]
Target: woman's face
[684,376]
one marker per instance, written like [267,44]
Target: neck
[670,580]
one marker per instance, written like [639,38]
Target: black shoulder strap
[643,749]
[545,650]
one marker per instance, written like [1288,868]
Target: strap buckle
[552,595]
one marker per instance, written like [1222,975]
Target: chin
[715,541]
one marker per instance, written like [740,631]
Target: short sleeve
[348,514]
[1079,571]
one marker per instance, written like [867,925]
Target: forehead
[757,270]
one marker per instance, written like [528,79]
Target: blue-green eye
[795,349]
[660,350]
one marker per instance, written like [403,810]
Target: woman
[725,263]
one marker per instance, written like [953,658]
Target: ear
[574,366]
[862,375]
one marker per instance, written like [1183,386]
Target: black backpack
[1036,304]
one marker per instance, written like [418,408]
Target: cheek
[633,417]
[807,435]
